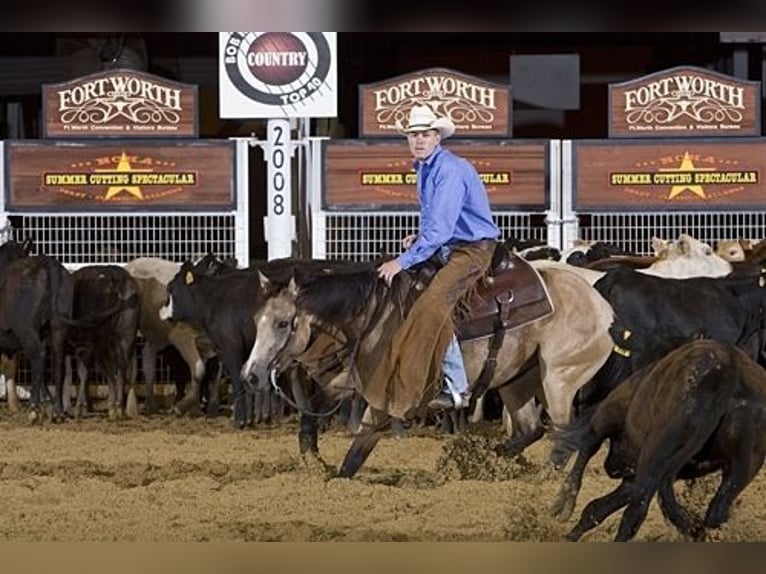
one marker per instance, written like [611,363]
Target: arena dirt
[168,479]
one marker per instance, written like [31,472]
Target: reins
[327,368]
[348,352]
[280,393]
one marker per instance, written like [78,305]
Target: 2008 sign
[277,162]
[280,230]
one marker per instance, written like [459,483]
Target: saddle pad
[518,283]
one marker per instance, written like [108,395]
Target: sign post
[281,76]
[279,223]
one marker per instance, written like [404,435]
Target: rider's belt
[484,244]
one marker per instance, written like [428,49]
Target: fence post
[569,222]
[317,216]
[553,215]
[242,187]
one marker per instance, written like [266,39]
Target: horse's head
[282,334]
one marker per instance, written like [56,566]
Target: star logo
[123,166]
[687,165]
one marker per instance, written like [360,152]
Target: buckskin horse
[569,343]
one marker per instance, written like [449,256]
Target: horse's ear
[265,283]
[301,277]
[292,288]
[28,245]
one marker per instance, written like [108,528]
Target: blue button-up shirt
[454,206]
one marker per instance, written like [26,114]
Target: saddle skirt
[510,295]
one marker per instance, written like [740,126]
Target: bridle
[273,371]
[351,349]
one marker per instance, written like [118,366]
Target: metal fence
[79,239]
[365,235]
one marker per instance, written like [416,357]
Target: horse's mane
[340,294]
[281,271]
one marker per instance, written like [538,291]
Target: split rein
[351,349]
[280,393]
[338,361]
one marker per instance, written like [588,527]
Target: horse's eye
[283,324]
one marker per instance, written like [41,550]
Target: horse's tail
[569,438]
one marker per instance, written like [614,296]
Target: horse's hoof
[398,429]
[343,473]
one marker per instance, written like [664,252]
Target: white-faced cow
[221,307]
[152,275]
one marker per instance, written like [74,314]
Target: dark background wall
[27,60]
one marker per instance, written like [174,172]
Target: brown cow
[699,409]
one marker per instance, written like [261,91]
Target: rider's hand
[409,240]
[388,270]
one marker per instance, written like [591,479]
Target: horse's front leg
[308,430]
[373,423]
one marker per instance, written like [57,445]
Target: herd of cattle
[684,394]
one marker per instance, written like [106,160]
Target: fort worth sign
[120,103]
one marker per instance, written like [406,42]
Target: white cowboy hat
[423,118]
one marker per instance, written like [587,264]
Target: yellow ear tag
[189,278]
[626,334]
[620,351]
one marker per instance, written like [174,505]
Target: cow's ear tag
[189,277]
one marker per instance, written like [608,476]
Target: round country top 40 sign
[277,74]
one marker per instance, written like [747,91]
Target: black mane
[337,296]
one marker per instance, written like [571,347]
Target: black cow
[222,307]
[582,255]
[11,251]
[533,249]
[103,336]
[699,409]
[656,313]
[36,301]
[650,309]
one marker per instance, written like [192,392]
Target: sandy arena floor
[166,479]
